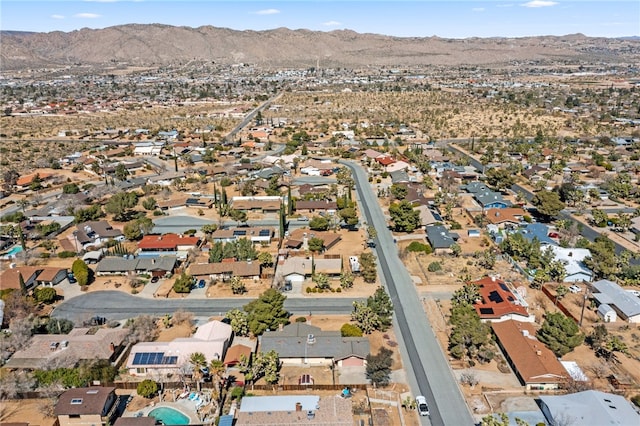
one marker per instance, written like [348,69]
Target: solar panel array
[264,233]
[153,358]
[238,232]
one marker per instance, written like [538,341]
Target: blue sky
[417,18]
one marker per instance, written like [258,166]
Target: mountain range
[155,44]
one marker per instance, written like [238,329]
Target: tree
[500,179]
[36,183]
[183,283]
[319,223]
[142,329]
[59,326]
[378,368]
[470,338]
[70,188]
[404,217]
[399,192]
[468,294]
[548,203]
[267,312]
[121,172]
[344,176]
[150,203]
[209,228]
[316,244]
[23,285]
[237,285]
[603,260]
[381,304]
[238,216]
[81,272]
[599,217]
[346,280]
[368,268]
[560,333]
[239,322]
[265,258]
[119,205]
[322,281]
[365,318]
[46,295]
[198,361]
[349,216]
[350,330]
[147,388]
[132,231]
[262,364]
[456,250]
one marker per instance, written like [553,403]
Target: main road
[432,373]
[116,305]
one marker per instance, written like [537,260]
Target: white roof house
[211,339]
[589,408]
[573,259]
[607,313]
[148,148]
[626,305]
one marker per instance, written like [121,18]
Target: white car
[421,403]
[575,289]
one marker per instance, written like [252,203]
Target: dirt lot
[27,411]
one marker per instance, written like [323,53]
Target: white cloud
[86,15]
[540,3]
[478,9]
[267,12]
[57,16]
[332,24]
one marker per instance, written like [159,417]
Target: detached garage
[607,313]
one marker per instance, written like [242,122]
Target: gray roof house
[300,343]
[440,238]
[589,408]
[491,200]
[157,266]
[626,305]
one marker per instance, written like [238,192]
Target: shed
[473,233]
[607,313]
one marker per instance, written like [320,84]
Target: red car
[554,235]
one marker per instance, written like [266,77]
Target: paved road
[250,116]
[428,365]
[116,305]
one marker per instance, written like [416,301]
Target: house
[491,200]
[95,233]
[65,350]
[49,276]
[265,204]
[148,148]
[536,367]
[607,313]
[302,344]
[157,358]
[167,244]
[299,238]
[397,166]
[426,215]
[507,216]
[224,271]
[295,409]
[573,260]
[624,303]
[156,266]
[235,353]
[312,206]
[10,278]
[26,180]
[178,224]
[255,235]
[372,154]
[440,238]
[498,303]
[589,407]
[295,269]
[538,231]
[93,405]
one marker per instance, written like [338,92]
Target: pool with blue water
[169,416]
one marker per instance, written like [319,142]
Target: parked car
[202,283]
[421,403]
[303,219]
[575,289]
[554,235]
[71,278]
[155,279]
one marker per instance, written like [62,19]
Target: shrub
[66,254]
[636,400]
[237,392]
[350,330]
[434,267]
[147,388]
[418,247]
[339,290]
[309,290]
[455,225]
[45,295]
[301,319]
[158,213]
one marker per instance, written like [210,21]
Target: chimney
[525,333]
[298,406]
[112,347]
[539,352]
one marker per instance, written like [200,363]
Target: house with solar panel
[254,234]
[150,359]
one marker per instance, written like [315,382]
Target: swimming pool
[169,416]
[14,250]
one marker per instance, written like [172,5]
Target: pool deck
[185,406]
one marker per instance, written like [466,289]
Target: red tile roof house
[536,366]
[502,217]
[167,243]
[498,303]
[86,406]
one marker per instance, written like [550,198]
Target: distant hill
[163,44]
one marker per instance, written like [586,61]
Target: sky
[413,18]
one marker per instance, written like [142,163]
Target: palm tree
[198,362]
